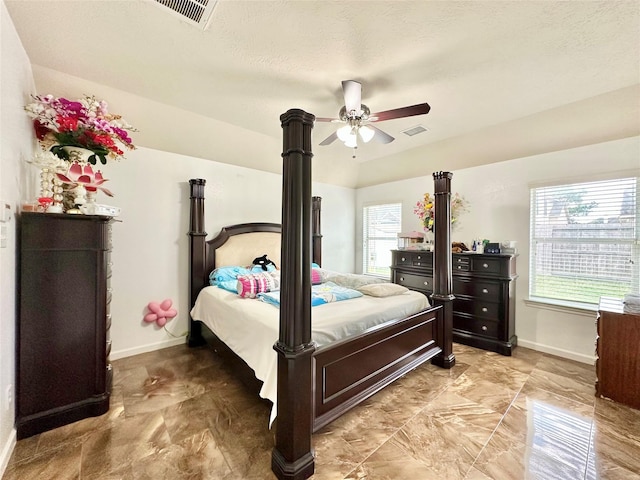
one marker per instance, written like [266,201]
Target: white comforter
[250,327]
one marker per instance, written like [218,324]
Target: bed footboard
[350,371]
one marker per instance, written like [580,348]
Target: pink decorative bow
[160,313]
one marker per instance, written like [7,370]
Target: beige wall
[499,199]
[16,83]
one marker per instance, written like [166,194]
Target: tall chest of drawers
[62,345]
[484,286]
[617,362]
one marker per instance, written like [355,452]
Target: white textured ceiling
[503,79]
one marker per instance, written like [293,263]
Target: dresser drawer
[423,259]
[480,289]
[419,282]
[413,259]
[478,308]
[486,265]
[488,328]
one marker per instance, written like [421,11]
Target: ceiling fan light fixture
[366,133]
[344,133]
[351,141]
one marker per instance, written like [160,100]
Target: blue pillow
[223,274]
[229,285]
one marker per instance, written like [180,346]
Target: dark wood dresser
[62,344]
[484,286]
[618,353]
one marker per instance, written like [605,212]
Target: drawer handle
[484,328]
[419,257]
[484,265]
[402,279]
[484,290]
[402,259]
[459,267]
[485,309]
[418,263]
[426,283]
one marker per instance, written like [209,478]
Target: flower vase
[78,154]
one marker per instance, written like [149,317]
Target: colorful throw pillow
[320,294]
[316,278]
[250,285]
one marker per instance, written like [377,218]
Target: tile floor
[179,413]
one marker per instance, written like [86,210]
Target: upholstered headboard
[236,245]
[243,249]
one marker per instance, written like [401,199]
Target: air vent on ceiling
[195,12]
[414,130]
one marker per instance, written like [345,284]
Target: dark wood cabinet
[484,286]
[62,344]
[617,359]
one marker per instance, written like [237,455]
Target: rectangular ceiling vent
[195,12]
[414,130]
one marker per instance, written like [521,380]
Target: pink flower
[84,175]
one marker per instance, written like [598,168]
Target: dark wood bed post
[292,457]
[317,235]
[442,281]
[198,251]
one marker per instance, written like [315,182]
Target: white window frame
[597,262]
[376,248]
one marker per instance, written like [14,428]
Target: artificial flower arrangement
[85,123]
[426,212]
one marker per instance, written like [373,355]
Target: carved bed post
[317,235]
[197,254]
[292,456]
[442,281]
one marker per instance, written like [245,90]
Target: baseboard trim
[7,450]
[129,352]
[559,352]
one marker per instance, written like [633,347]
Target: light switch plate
[5,214]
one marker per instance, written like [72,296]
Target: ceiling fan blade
[352,95]
[330,139]
[380,136]
[419,109]
[326,119]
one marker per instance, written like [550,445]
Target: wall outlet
[8,397]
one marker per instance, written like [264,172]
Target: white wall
[499,199]
[16,83]
[150,244]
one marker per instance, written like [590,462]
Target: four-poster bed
[316,384]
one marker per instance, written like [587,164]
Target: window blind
[380,226]
[584,241]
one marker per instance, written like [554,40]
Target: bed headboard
[236,244]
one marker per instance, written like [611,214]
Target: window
[380,228]
[584,241]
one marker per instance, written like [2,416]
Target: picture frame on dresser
[484,286]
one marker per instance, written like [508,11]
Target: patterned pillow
[251,284]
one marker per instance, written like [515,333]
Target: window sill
[564,307]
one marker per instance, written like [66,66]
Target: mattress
[250,327]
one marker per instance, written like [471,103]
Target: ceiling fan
[358,118]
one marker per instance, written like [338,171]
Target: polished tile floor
[179,413]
